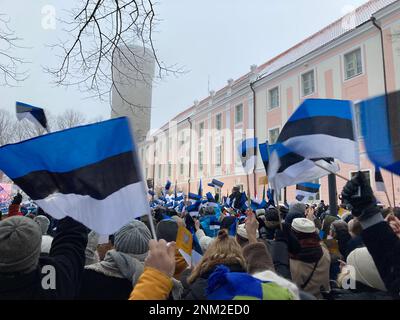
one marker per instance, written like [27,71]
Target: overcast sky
[211,39]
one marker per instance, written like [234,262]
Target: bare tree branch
[99,54]
[10,73]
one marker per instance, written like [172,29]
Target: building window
[273,98]
[169,169]
[181,167]
[353,64]
[366,173]
[159,171]
[147,173]
[201,161]
[218,156]
[182,139]
[201,129]
[357,119]
[307,83]
[218,122]
[239,113]
[273,135]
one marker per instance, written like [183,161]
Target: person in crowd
[22,268]
[359,279]
[115,276]
[156,281]
[296,210]
[168,230]
[15,207]
[355,231]
[327,218]
[204,240]
[310,266]
[47,240]
[224,250]
[379,238]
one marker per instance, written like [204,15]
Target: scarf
[120,265]
[310,248]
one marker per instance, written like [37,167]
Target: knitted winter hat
[303,225]
[297,208]
[167,230]
[132,238]
[20,244]
[43,222]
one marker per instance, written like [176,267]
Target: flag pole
[248,189]
[330,171]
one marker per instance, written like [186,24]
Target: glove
[362,205]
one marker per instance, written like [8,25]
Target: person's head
[43,222]
[167,230]
[17,199]
[236,189]
[355,228]
[365,270]
[337,228]
[303,227]
[241,235]
[132,238]
[223,250]
[297,208]
[20,245]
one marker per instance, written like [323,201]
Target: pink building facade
[354,58]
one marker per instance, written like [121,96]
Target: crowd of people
[299,252]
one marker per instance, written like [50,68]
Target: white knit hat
[365,268]
[303,225]
[260,212]
[241,231]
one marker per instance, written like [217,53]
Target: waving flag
[217,183]
[34,114]
[90,173]
[380,184]
[306,190]
[287,168]
[322,128]
[380,126]
[247,152]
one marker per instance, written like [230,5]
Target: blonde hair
[223,250]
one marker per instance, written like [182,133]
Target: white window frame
[269,133]
[269,105]
[315,83]
[242,107]
[201,129]
[218,156]
[345,79]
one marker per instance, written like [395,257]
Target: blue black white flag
[217,183]
[247,153]
[306,190]
[90,173]
[322,128]
[380,126]
[34,114]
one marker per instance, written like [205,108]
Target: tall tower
[133,73]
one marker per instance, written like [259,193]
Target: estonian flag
[286,168]
[247,152]
[306,190]
[33,114]
[90,173]
[380,126]
[322,128]
[380,184]
[217,183]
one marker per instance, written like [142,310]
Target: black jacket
[384,247]
[97,286]
[362,292]
[67,256]
[197,289]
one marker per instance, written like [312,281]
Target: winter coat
[384,247]
[152,285]
[197,289]
[14,210]
[301,271]
[362,292]
[67,256]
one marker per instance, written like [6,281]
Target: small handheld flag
[306,190]
[34,114]
[247,153]
[217,183]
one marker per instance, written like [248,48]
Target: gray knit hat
[20,244]
[132,238]
[297,208]
[43,222]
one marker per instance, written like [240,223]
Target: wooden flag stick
[248,189]
[336,174]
